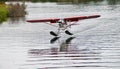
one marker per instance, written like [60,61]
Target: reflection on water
[66,55]
[113,2]
[64,47]
[16,20]
[94,45]
[54,39]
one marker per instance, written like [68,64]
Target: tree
[3,0]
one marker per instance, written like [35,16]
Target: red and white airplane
[64,23]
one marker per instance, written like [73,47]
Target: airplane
[63,23]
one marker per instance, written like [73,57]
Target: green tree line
[3,12]
[11,10]
[72,1]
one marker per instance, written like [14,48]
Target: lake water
[95,43]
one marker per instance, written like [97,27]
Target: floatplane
[63,23]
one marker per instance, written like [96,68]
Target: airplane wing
[72,19]
[69,19]
[52,20]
